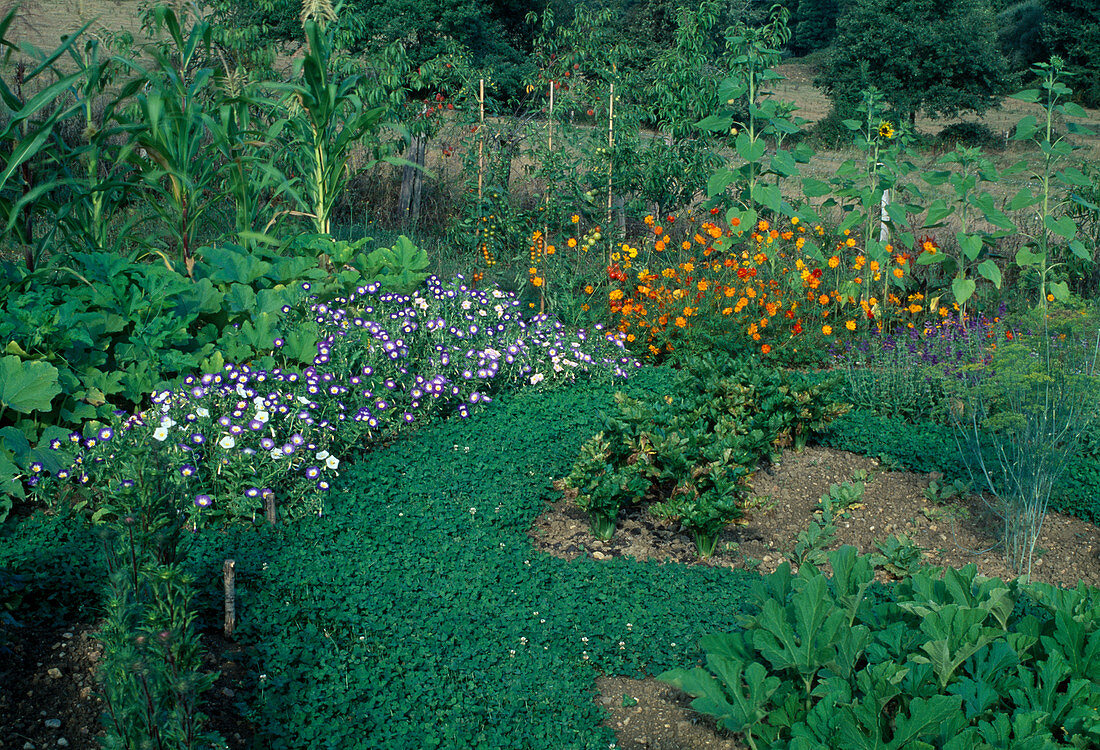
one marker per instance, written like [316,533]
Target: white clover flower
[302,399]
[227,442]
[167,423]
[537,378]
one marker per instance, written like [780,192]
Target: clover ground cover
[415,613]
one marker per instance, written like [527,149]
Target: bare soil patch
[648,714]
[49,697]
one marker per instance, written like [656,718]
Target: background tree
[814,25]
[1071,30]
[936,56]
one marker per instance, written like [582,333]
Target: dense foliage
[196,367]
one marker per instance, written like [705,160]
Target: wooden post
[269,507]
[229,574]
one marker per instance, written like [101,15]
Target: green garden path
[416,613]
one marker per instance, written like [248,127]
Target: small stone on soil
[54,673]
[53,723]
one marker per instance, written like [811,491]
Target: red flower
[816,273]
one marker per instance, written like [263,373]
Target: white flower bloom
[302,399]
[322,455]
[227,442]
[258,401]
[536,378]
[241,391]
[202,411]
[167,423]
[466,304]
[332,462]
[493,353]
[160,434]
[262,416]
[276,454]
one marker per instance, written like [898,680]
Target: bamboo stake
[481,139]
[546,203]
[229,573]
[610,146]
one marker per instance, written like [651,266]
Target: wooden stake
[229,573]
[269,507]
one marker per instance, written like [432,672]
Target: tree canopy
[936,56]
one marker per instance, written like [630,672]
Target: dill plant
[1020,413]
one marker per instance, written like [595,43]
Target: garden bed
[786,495]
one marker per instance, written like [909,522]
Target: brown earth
[651,715]
[50,699]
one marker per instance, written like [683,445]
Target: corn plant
[327,117]
[30,169]
[169,126]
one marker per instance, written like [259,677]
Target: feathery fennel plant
[1021,413]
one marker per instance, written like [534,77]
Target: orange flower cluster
[762,285]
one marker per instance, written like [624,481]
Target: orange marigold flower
[899,273]
[702,285]
[659,246]
[823,299]
[571,242]
[834,261]
[763,225]
[699,238]
[850,242]
[735,222]
[663,320]
[727,310]
[588,289]
[874,265]
[616,294]
[827,330]
[658,231]
[860,261]
[680,322]
[575,218]
[765,349]
[850,325]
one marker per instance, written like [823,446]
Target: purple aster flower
[203,501]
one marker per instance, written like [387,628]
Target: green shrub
[690,451]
